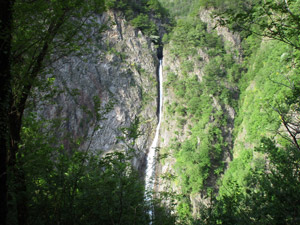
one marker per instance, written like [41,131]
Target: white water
[150,171]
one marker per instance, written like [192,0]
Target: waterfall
[150,171]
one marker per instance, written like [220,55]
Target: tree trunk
[5,96]
[16,167]
[15,122]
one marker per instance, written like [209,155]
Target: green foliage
[75,187]
[184,212]
[143,23]
[116,4]
[215,68]
[140,13]
[155,8]
[259,184]
[261,198]
[251,187]
[180,8]
[193,163]
[191,33]
[42,32]
[79,187]
[199,157]
[40,29]
[273,19]
[269,88]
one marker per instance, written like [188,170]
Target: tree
[80,188]
[269,197]
[279,20]
[5,95]
[36,33]
[143,22]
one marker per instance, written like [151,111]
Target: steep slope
[230,127]
[231,103]
[201,67]
[120,71]
[264,146]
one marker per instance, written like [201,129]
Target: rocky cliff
[120,70]
[214,103]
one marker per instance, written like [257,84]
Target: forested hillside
[79,108]
[230,141]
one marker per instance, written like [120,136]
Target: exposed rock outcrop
[121,67]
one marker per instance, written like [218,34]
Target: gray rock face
[120,68]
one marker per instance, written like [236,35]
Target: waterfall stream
[150,171]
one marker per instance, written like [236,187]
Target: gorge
[188,110]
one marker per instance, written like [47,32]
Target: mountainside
[120,70]
[82,113]
[201,66]
[228,101]
[83,101]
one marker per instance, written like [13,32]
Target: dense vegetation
[180,8]
[261,83]
[141,13]
[194,100]
[229,103]
[80,188]
[47,176]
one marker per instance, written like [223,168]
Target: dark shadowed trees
[5,95]
[31,31]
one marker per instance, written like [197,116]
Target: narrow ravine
[150,171]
